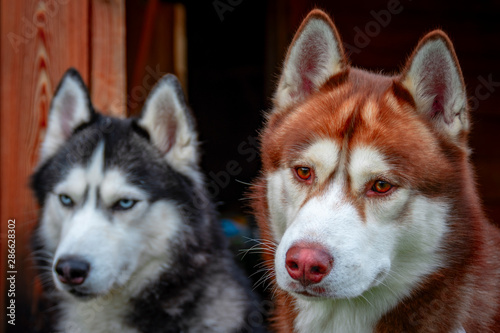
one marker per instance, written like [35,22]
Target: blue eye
[124,204]
[66,200]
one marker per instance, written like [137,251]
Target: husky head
[115,194]
[361,170]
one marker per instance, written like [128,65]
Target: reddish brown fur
[468,290]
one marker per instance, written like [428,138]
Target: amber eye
[381,186]
[303,173]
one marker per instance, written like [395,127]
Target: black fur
[172,303]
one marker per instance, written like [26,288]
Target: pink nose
[308,263]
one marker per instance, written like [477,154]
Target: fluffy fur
[417,255]
[127,239]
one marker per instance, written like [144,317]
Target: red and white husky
[367,198]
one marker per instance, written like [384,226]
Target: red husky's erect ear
[433,77]
[315,55]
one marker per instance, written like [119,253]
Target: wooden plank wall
[39,41]
[108,70]
[156,44]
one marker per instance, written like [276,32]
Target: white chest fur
[330,316]
[342,316]
[97,315]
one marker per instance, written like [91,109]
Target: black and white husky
[127,239]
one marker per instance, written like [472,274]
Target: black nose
[72,270]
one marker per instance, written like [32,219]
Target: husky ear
[169,122]
[433,77]
[315,55]
[70,108]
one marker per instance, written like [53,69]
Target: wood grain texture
[180,45]
[108,72]
[142,30]
[156,45]
[40,40]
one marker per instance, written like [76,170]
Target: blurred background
[228,55]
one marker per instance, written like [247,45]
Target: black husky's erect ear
[433,77]
[168,120]
[315,55]
[70,108]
